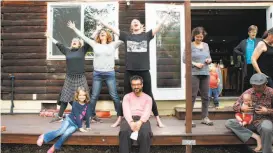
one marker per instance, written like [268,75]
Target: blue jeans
[66,130]
[110,79]
[215,94]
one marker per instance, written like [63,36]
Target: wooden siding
[24,55]
[24,51]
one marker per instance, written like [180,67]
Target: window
[82,14]
[166,50]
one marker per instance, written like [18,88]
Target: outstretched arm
[157,28]
[51,38]
[115,30]
[60,46]
[72,26]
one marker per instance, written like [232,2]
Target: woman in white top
[104,61]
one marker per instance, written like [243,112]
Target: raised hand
[71,24]
[47,34]
[99,26]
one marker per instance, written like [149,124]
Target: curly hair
[76,97]
[109,37]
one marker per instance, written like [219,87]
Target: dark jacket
[241,50]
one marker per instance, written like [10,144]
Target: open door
[269,17]
[166,51]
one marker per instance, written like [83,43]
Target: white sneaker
[207,121]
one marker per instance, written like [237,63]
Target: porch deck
[25,129]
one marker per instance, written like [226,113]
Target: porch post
[188,71]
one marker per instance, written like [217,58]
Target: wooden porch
[25,129]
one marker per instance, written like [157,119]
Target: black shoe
[96,119]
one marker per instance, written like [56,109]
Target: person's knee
[266,126]
[124,134]
[229,123]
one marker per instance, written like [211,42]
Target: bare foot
[159,123]
[117,123]
[51,150]
[40,140]
[259,144]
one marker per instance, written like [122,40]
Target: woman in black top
[137,57]
[263,56]
[75,56]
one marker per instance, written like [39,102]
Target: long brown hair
[76,97]
[108,37]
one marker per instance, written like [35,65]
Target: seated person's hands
[261,110]
[245,108]
[138,125]
[133,125]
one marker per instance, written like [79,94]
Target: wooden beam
[30,35]
[188,71]
[23,49]
[25,42]
[31,22]
[31,9]
[188,67]
[23,29]
[25,16]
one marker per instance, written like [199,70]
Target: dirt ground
[15,148]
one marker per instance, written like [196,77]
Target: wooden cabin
[39,68]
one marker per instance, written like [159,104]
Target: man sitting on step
[137,107]
[262,97]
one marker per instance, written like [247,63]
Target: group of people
[138,100]
[254,108]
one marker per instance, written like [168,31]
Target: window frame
[51,5]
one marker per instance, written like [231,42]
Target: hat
[258,79]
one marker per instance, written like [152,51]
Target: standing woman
[74,71]
[137,57]
[200,71]
[263,56]
[104,62]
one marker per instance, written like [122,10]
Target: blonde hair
[252,27]
[76,97]
[108,37]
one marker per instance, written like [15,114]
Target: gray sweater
[199,56]
[104,54]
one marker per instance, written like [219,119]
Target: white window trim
[50,25]
[165,93]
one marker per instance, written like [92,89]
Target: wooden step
[214,114]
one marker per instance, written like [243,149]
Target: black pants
[147,85]
[144,137]
[250,72]
[63,107]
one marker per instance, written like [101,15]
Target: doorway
[226,28]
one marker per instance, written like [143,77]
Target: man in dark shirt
[262,97]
